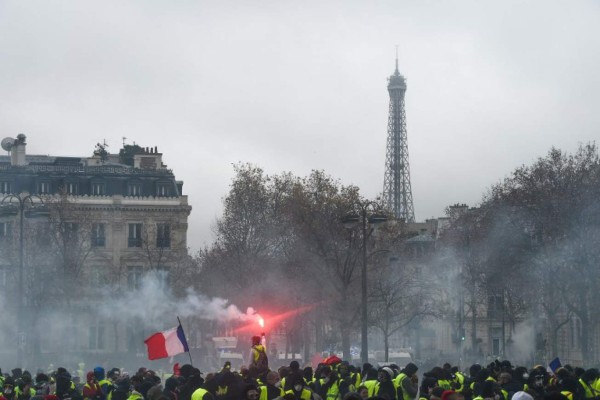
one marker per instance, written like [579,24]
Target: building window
[135,338]
[162,276]
[72,189]
[97,336]
[43,187]
[134,238]
[495,307]
[134,277]
[163,190]
[5,187]
[70,230]
[163,235]
[4,230]
[134,189]
[98,235]
[98,189]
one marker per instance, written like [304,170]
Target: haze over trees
[528,252]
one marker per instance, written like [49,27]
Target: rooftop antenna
[124,138]
[397,72]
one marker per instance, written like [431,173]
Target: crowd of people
[333,379]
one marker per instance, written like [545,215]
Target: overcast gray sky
[301,85]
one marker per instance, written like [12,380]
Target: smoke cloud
[156,306]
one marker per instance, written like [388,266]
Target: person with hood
[586,381]
[371,381]
[327,387]
[64,387]
[120,390]
[258,356]
[427,385]
[225,386]
[106,386]
[192,381]
[486,391]
[309,376]
[298,389]
[508,385]
[171,388]
[294,368]
[25,389]
[385,388]
[42,384]
[407,382]
[92,389]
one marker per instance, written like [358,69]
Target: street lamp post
[368,215]
[22,201]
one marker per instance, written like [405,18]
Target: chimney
[17,152]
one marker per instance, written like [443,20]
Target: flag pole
[189,352]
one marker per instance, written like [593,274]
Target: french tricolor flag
[167,343]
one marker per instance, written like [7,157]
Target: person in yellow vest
[407,382]
[8,388]
[24,390]
[508,385]
[568,387]
[91,389]
[293,369]
[327,387]
[106,386]
[458,380]
[309,376]
[355,375]
[587,381]
[370,381]
[258,356]
[385,386]
[270,390]
[298,390]
[250,392]
[201,394]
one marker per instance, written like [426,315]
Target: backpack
[262,361]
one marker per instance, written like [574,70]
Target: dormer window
[5,187]
[163,189]
[98,189]
[134,189]
[71,188]
[43,187]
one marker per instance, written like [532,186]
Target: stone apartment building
[118,218]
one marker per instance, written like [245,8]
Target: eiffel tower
[397,193]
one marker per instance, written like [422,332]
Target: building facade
[108,222]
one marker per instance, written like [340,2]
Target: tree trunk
[473,324]
[386,344]
[344,328]
[554,340]
[386,335]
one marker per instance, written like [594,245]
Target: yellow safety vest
[264,393]
[306,394]
[370,385]
[589,394]
[199,394]
[398,384]
[568,394]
